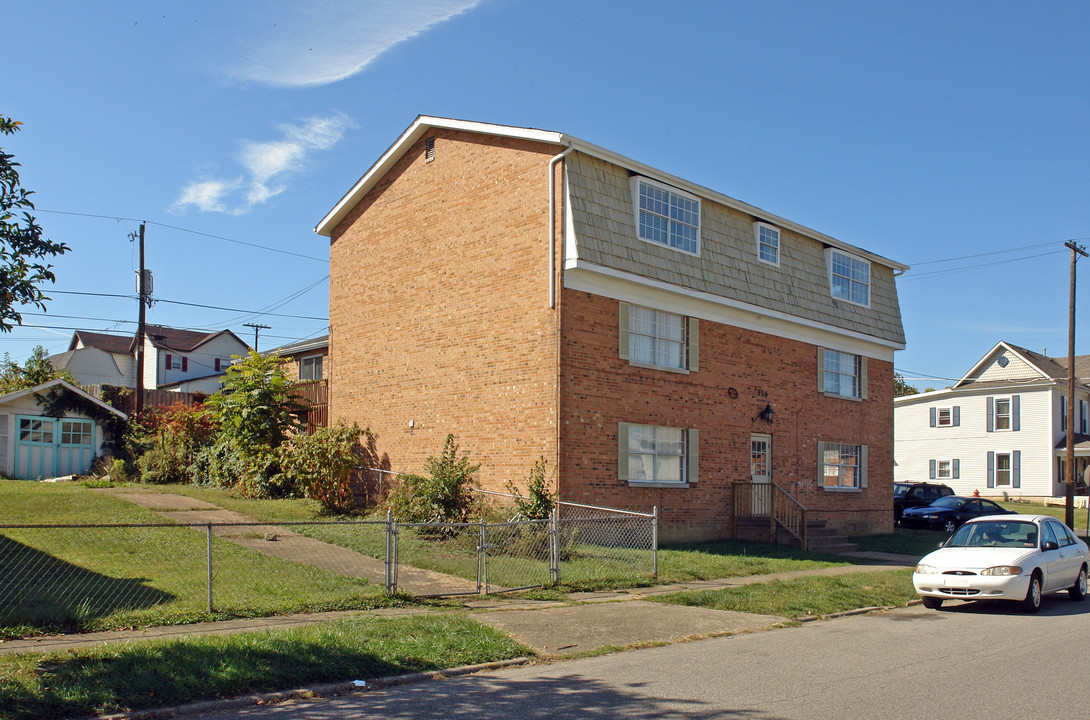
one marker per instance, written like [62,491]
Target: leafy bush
[442,494]
[541,499]
[257,411]
[321,464]
[173,437]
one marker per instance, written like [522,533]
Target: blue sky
[922,131]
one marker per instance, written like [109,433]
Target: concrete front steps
[819,537]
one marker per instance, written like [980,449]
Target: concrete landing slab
[583,628]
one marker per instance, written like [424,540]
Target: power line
[179,302]
[937,273]
[185,230]
[984,254]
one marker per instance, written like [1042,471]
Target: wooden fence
[314,394]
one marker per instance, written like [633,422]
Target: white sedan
[1005,557]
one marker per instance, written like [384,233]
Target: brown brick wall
[439,308]
[598,390]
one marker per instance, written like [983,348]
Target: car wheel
[1078,590]
[1032,603]
[932,603]
[950,526]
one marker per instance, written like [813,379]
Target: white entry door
[760,472]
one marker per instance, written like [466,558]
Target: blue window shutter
[1015,423]
[955,470]
[1016,469]
[957,415]
[991,415]
[991,467]
[931,469]
[934,415]
[1063,413]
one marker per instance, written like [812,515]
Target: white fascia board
[969,390]
[598,280]
[421,125]
[68,386]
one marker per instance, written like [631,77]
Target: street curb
[328,690]
[857,611]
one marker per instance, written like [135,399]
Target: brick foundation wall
[599,390]
[439,308]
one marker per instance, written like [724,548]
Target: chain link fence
[88,577]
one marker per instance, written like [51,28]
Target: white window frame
[843,450]
[658,339]
[949,470]
[949,410]
[312,358]
[1009,399]
[1009,470]
[654,452]
[760,232]
[636,183]
[855,263]
[857,375]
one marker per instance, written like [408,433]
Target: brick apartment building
[654,340]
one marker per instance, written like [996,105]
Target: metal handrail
[783,509]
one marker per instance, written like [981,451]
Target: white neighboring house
[1000,430]
[180,360]
[98,359]
[35,446]
[187,360]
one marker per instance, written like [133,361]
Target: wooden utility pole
[1069,474]
[143,293]
[257,328]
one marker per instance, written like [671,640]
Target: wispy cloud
[323,41]
[267,166]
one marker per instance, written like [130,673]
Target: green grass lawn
[812,595]
[161,673]
[86,579]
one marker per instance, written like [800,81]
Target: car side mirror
[1049,545]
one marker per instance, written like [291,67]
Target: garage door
[49,447]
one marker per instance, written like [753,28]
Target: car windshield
[995,533]
[899,490]
[949,503]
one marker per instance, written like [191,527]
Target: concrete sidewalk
[587,622]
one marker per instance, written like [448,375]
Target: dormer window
[849,277]
[768,243]
[666,216]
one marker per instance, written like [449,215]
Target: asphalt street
[968,661]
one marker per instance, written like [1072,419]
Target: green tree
[257,410]
[23,250]
[901,388]
[35,371]
[444,493]
[541,499]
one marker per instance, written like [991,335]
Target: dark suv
[907,495]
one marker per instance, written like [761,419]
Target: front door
[760,472]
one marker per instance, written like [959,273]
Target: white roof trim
[578,274]
[990,353]
[424,122]
[69,386]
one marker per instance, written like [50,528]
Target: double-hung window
[842,466]
[666,216]
[849,277]
[653,454]
[768,243]
[1005,469]
[656,338]
[944,470]
[310,368]
[842,373]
